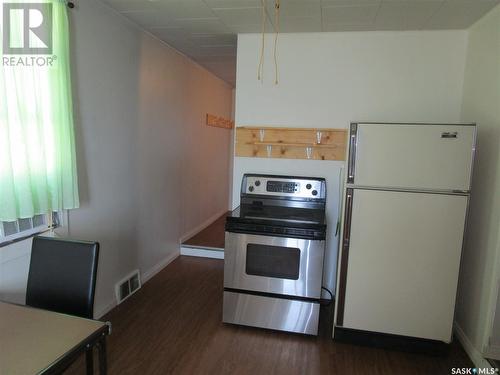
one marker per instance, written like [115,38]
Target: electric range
[273,257]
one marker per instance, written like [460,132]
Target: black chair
[62,276]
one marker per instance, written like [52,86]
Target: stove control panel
[284,186]
[281,186]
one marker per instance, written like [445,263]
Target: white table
[34,341]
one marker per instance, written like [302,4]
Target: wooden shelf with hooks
[291,143]
[219,122]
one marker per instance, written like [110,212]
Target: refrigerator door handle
[344,260]
[352,153]
[348,218]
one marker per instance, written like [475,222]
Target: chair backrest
[62,276]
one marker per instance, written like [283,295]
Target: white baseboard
[202,252]
[475,355]
[202,226]
[493,352]
[145,277]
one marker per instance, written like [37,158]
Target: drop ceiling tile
[255,28]
[233,3]
[328,3]
[300,25]
[170,32]
[215,51]
[183,45]
[214,39]
[459,14]
[128,5]
[405,15]
[239,16]
[148,18]
[350,14]
[243,29]
[343,27]
[186,50]
[413,1]
[295,8]
[205,29]
[186,8]
[180,40]
[201,25]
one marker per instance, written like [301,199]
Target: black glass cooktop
[278,221]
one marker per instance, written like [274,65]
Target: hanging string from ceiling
[277,25]
[260,72]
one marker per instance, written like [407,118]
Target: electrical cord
[260,72]
[326,302]
[328,291]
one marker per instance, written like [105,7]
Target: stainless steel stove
[273,257]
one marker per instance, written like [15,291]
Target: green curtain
[37,149]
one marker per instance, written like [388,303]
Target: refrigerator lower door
[403,262]
[425,157]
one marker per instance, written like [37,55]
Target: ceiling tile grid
[205,30]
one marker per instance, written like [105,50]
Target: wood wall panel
[291,143]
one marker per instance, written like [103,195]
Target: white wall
[330,79]
[480,273]
[149,169]
[14,264]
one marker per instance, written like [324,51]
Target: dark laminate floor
[211,236]
[173,326]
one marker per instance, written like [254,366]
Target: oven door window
[273,261]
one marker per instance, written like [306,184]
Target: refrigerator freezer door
[417,157]
[403,263]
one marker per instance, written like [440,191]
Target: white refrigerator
[405,208]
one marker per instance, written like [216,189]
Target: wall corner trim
[202,226]
[474,354]
[146,276]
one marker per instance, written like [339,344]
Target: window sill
[24,236]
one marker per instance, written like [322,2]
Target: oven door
[278,265]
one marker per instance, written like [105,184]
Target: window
[37,148]
[21,228]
